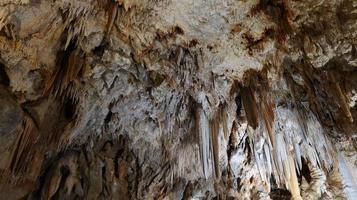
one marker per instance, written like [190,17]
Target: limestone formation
[178,99]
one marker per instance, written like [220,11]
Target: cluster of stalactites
[282,138]
[297,136]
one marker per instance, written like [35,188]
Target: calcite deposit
[178,99]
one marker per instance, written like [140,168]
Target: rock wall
[178,99]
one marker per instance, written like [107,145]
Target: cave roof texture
[178,99]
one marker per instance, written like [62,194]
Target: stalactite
[340,97]
[299,131]
[22,148]
[112,14]
[203,128]
[292,181]
[266,108]
[214,135]
[223,118]
[63,83]
[250,106]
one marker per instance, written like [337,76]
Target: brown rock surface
[178,99]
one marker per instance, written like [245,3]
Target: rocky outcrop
[178,99]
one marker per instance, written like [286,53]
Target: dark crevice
[63,55]
[239,184]
[4,78]
[108,118]
[178,30]
[305,171]
[238,100]
[280,194]
[69,110]
[188,191]
[99,50]
[247,149]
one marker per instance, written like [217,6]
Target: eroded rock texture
[178,99]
